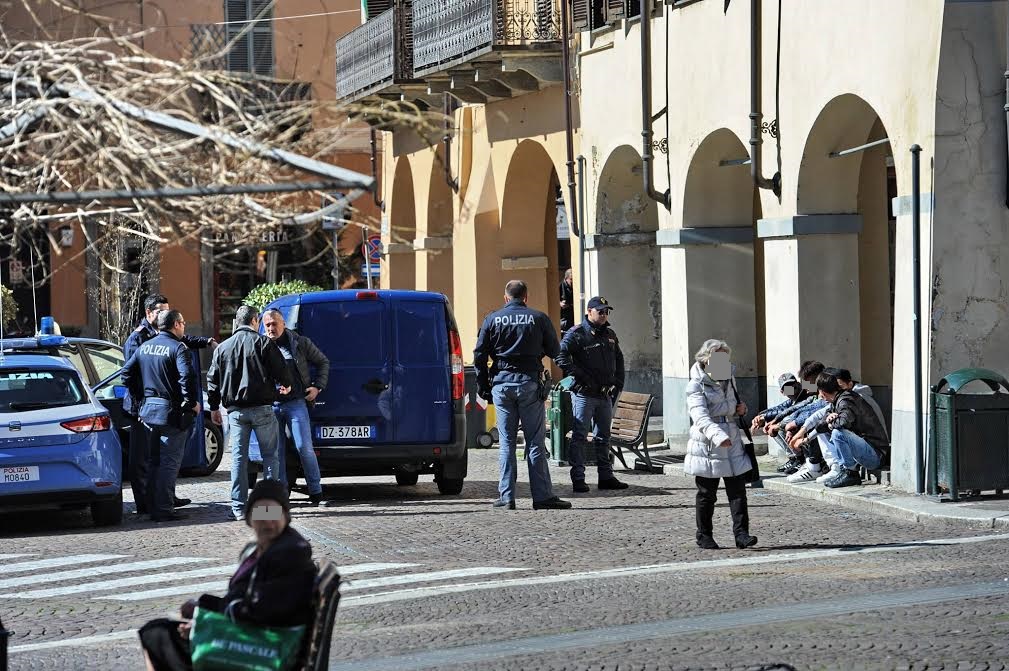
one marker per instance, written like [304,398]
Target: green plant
[265,294]
[10,308]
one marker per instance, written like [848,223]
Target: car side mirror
[119,391]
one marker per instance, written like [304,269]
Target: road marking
[388,597]
[99,570]
[55,562]
[75,642]
[103,585]
[471,655]
[352,569]
[408,578]
[218,586]
[630,571]
[192,590]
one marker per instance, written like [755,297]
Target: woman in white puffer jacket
[716,443]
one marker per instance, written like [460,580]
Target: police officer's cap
[599,303]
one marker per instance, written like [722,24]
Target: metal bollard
[560,419]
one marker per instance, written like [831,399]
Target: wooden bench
[314,654]
[629,430]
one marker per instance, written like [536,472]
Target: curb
[879,500]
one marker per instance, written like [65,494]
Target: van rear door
[422,402]
[357,406]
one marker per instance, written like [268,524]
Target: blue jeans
[850,450]
[595,414]
[165,448]
[242,422]
[517,402]
[295,414]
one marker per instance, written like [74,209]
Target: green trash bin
[560,419]
[969,434]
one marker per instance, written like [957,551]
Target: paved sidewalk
[986,512]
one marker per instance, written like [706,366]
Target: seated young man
[789,421]
[793,392]
[808,430]
[857,437]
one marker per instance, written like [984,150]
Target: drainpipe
[1007,110]
[647,157]
[573,208]
[756,140]
[581,238]
[919,446]
[374,171]
[449,109]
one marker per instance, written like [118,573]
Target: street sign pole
[367,259]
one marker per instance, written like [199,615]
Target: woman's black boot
[706,542]
[744,541]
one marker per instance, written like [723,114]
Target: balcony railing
[449,31]
[376,54]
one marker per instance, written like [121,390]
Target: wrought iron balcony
[450,32]
[375,55]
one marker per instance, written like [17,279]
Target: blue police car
[57,443]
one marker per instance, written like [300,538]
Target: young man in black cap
[591,353]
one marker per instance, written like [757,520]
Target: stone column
[398,266]
[811,287]
[434,264]
[707,292]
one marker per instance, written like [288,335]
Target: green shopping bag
[220,644]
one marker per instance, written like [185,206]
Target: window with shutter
[252,44]
[580,14]
[614,10]
[375,7]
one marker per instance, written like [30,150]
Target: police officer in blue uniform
[591,353]
[139,441]
[517,338]
[160,375]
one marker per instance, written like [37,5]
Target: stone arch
[629,267]
[528,237]
[400,265]
[711,270]
[434,245]
[859,184]
[715,193]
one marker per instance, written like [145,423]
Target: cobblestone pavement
[615,583]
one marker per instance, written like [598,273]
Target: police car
[57,443]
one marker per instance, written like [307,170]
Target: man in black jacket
[245,376]
[856,435]
[310,373]
[517,338]
[161,377]
[139,440]
[591,353]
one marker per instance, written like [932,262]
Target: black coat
[857,416]
[144,332]
[161,378]
[517,337]
[592,355]
[278,590]
[245,371]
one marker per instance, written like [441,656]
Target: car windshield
[37,389]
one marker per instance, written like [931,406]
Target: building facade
[290,51]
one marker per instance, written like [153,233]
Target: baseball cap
[786,378]
[599,302]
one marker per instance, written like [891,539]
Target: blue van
[394,404]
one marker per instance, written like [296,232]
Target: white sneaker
[807,473]
[834,470]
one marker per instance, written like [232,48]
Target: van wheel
[450,487]
[108,513]
[407,479]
